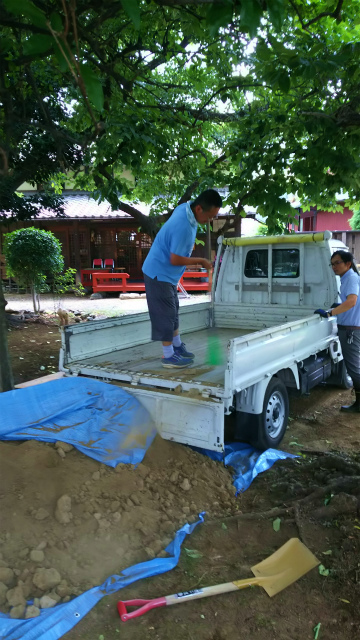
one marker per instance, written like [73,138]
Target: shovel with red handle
[274,574]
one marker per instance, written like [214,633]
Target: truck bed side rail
[261,355]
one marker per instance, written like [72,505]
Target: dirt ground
[123,516]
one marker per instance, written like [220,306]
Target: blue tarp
[246,461]
[54,623]
[101,420]
[108,424]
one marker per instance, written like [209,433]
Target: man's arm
[349,303]
[182,261]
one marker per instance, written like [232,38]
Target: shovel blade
[285,566]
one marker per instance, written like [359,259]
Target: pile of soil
[71,521]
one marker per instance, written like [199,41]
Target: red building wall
[318,220]
[332,221]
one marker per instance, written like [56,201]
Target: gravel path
[107,306]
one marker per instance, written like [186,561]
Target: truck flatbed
[146,358]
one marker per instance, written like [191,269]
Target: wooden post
[208,241]
[77,251]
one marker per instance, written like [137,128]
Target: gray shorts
[163,304]
[351,353]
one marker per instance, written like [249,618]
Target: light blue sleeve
[353,285]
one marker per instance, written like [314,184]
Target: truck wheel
[267,429]
[272,422]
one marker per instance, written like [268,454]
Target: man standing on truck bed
[348,319]
[165,264]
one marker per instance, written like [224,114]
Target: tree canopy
[260,96]
[32,255]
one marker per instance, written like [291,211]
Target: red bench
[87,274]
[102,281]
[191,281]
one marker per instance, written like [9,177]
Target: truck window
[256,265]
[285,263]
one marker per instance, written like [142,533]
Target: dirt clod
[6,575]
[46,579]
[46,602]
[63,510]
[32,612]
[37,555]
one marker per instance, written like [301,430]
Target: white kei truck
[264,293]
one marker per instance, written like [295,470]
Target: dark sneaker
[176,362]
[182,351]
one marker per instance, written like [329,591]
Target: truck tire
[274,417]
[267,429]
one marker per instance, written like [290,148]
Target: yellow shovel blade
[282,568]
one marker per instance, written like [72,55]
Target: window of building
[285,263]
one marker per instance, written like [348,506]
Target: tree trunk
[33,295]
[35,298]
[6,378]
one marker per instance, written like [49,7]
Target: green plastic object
[215,355]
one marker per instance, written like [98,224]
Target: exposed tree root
[258,515]
[347,485]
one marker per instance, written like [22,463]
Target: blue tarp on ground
[101,420]
[108,424]
[246,461]
[54,623]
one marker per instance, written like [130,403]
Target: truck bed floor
[146,358]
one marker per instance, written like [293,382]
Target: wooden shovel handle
[177,598]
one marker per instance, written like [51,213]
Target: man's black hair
[208,199]
[346,256]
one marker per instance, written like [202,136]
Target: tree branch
[326,14]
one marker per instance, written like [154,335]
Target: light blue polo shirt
[350,284]
[177,235]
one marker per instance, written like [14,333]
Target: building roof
[81,205]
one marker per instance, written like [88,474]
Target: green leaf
[323,571]
[218,16]
[56,22]
[193,553]
[250,15]
[93,86]
[276,524]
[327,553]
[63,64]
[317,631]
[27,9]
[38,44]
[223,526]
[5,44]
[284,82]
[132,8]
[276,13]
